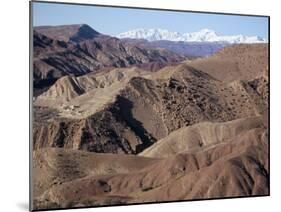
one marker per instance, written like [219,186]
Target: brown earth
[237,62]
[190,130]
[238,166]
[131,110]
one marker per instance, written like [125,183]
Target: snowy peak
[204,35]
[151,34]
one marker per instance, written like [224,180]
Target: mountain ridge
[73,32]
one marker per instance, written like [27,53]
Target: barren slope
[235,168]
[236,62]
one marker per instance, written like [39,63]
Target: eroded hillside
[115,123]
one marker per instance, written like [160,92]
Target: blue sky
[112,21]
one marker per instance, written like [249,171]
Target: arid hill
[117,123]
[236,62]
[72,178]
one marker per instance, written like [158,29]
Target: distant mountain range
[204,35]
[188,49]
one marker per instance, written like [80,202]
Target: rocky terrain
[118,123]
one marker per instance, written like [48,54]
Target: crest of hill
[201,135]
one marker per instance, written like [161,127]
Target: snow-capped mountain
[204,35]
